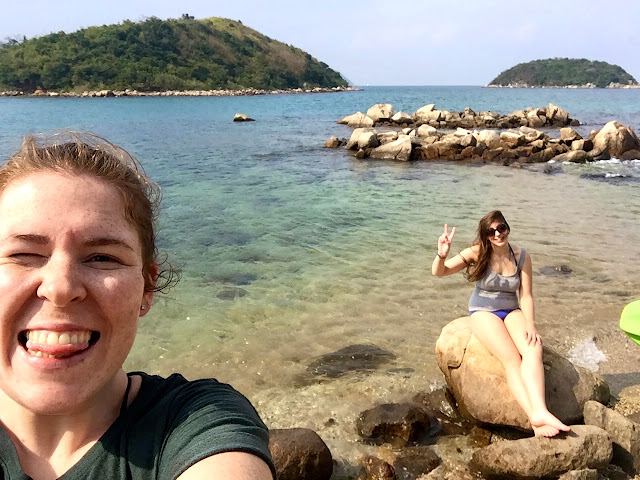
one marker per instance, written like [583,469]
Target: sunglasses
[500,229]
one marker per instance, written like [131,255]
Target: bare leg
[544,423]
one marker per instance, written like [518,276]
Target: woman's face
[498,233]
[71,290]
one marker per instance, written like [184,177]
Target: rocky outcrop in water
[300,454]
[518,145]
[384,114]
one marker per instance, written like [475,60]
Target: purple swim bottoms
[501,314]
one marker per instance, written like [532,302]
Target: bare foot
[545,431]
[547,425]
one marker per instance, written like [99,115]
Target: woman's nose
[61,281]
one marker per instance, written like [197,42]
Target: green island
[565,72]
[160,55]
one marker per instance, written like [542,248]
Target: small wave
[587,355]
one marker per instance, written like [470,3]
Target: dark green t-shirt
[170,425]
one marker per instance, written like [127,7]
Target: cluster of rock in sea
[174,93]
[604,442]
[586,85]
[515,138]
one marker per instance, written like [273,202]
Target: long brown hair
[476,270]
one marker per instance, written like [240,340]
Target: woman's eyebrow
[30,238]
[104,241]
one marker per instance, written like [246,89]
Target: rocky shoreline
[107,93]
[586,85]
[512,139]
[475,407]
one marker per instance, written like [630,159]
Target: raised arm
[442,267]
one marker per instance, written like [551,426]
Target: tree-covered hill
[563,72]
[174,54]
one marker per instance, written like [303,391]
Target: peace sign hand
[444,241]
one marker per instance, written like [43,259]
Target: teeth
[58,338]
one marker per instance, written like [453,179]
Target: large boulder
[624,433]
[426,131]
[354,140]
[402,117]
[617,138]
[477,381]
[380,111]
[512,139]
[584,447]
[489,137]
[557,115]
[356,120]
[300,453]
[574,156]
[397,150]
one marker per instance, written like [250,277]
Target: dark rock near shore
[556,271]
[300,453]
[360,357]
[377,469]
[396,423]
[412,462]
[442,405]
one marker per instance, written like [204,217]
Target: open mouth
[48,344]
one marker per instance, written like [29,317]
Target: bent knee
[532,351]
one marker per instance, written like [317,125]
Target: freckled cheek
[125,291]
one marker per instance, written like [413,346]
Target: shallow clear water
[290,251]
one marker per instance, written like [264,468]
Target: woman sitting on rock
[502,273]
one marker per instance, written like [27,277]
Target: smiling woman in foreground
[78,268]
[502,313]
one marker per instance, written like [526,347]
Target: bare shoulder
[518,251]
[471,253]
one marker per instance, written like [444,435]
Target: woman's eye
[103,259]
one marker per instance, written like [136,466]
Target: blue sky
[380,42]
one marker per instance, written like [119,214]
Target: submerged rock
[359,357]
[556,271]
[395,423]
[241,117]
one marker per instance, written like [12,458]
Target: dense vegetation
[562,72]
[174,54]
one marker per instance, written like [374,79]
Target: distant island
[565,72]
[160,55]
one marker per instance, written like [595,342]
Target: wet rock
[477,381]
[377,469]
[231,293]
[584,447]
[568,135]
[332,142]
[357,120]
[450,470]
[624,433]
[574,156]
[242,117]
[395,423]
[411,462]
[399,150]
[354,140]
[402,117]
[442,405]
[380,111]
[630,155]
[557,270]
[359,357]
[617,138]
[300,453]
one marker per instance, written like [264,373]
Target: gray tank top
[497,292]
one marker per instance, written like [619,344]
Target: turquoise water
[289,250]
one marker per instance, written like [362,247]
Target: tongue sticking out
[47,344]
